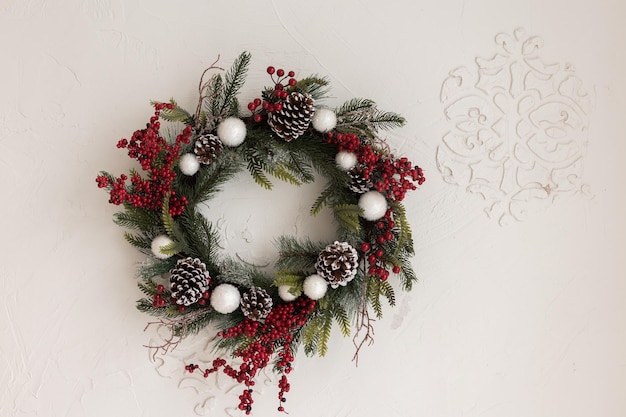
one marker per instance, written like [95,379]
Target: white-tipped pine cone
[294,118]
[207,148]
[256,303]
[358,183]
[337,263]
[189,280]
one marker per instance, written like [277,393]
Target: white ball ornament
[158,243]
[324,120]
[373,204]
[231,131]
[315,287]
[189,164]
[284,292]
[225,298]
[345,160]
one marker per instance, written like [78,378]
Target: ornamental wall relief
[518,129]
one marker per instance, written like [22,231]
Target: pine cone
[337,263]
[294,118]
[358,183]
[256,303]
[189,281]
[207,148]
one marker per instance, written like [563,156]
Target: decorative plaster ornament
[324,120]
[284,292]
[232,131]
[159,242]
[314,287]
[373,204]
[225,298]
[189,164]
[345,160]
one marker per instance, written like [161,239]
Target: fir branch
[373,295]
[347,216]
[293,279]
[361,116]
[314,85]
[138,219]
[138,241]
[322,200]
[296,255]
[233,81]
[325,332]
[405,235]
[177,114]
[342,319]
[166,216]
[385,289]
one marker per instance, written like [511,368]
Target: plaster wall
[518,312]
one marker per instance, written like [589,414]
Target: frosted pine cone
[256,303]
[337,263]
[358,183]
[207,148]
[189,281]
[293,119]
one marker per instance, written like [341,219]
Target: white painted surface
[525,319]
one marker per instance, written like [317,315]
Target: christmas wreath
[263,317]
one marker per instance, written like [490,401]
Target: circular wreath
[262,318]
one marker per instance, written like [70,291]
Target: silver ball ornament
[324,120]
[373,204]
[345,160]
[225,298]
[315,287]
[231,131]
[284,292]
[189,164]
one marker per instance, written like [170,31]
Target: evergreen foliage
[267,157]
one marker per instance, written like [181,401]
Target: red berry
[291,74]
[293,82]
[396,269]
[271,70]
[257,118]
[160,288]
[280,72]
[251,106]
[365,247]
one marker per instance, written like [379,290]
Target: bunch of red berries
[274,335]
[157,157]
[390,176]
[272,100]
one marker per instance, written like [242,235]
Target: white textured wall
[510,318]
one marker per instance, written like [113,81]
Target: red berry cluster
[274,335]
[374,249]
[157,157]
[390,176]
[272,103]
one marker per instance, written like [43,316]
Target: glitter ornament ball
[232,131]
[345,160]
[373,204]
[189,164]
[158,243]
[314,287]
[225,298]
[324,120]
[285,294]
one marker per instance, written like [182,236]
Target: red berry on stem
[271,70]
[280,72]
